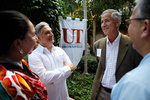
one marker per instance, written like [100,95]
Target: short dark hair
[13,25]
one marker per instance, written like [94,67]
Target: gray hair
[38,28]
[143,8]
[115,14]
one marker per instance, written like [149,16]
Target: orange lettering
[73,30]
[65,36]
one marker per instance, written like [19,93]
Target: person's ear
[38,38]
[17,44]
[118,22]
[146,29]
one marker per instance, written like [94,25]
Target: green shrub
[91,64]
[80,85]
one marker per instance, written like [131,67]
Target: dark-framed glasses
[128,21]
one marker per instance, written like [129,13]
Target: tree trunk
[94,29]
[94,22]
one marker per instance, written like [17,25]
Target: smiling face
[108,25]
[47,37]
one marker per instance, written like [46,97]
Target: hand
[71,65]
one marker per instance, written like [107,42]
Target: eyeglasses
[128,21]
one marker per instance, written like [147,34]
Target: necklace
[12,61]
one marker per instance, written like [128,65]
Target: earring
[21,51]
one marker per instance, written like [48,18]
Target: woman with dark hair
[17,39]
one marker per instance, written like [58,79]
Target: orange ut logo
[73,30]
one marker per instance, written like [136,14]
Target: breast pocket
[48,62]
[60,58]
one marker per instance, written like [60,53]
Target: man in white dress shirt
[51,63]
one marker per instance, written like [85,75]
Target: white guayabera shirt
[51,70]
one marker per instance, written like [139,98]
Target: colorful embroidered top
[15,84]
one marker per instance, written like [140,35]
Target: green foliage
[37,11]
[91,64]
[74,9]
[80,86]
[44,10]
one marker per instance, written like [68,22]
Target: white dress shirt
[109,79]
[51,70]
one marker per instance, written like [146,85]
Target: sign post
[85,17]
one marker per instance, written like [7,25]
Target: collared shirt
[110,65]
[134,85]
[51,70]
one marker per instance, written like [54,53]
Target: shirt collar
[44,49]
[147,57]
[116,40]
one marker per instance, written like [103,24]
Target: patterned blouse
[20,84]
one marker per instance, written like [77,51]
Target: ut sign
[72,39]
[78,31]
